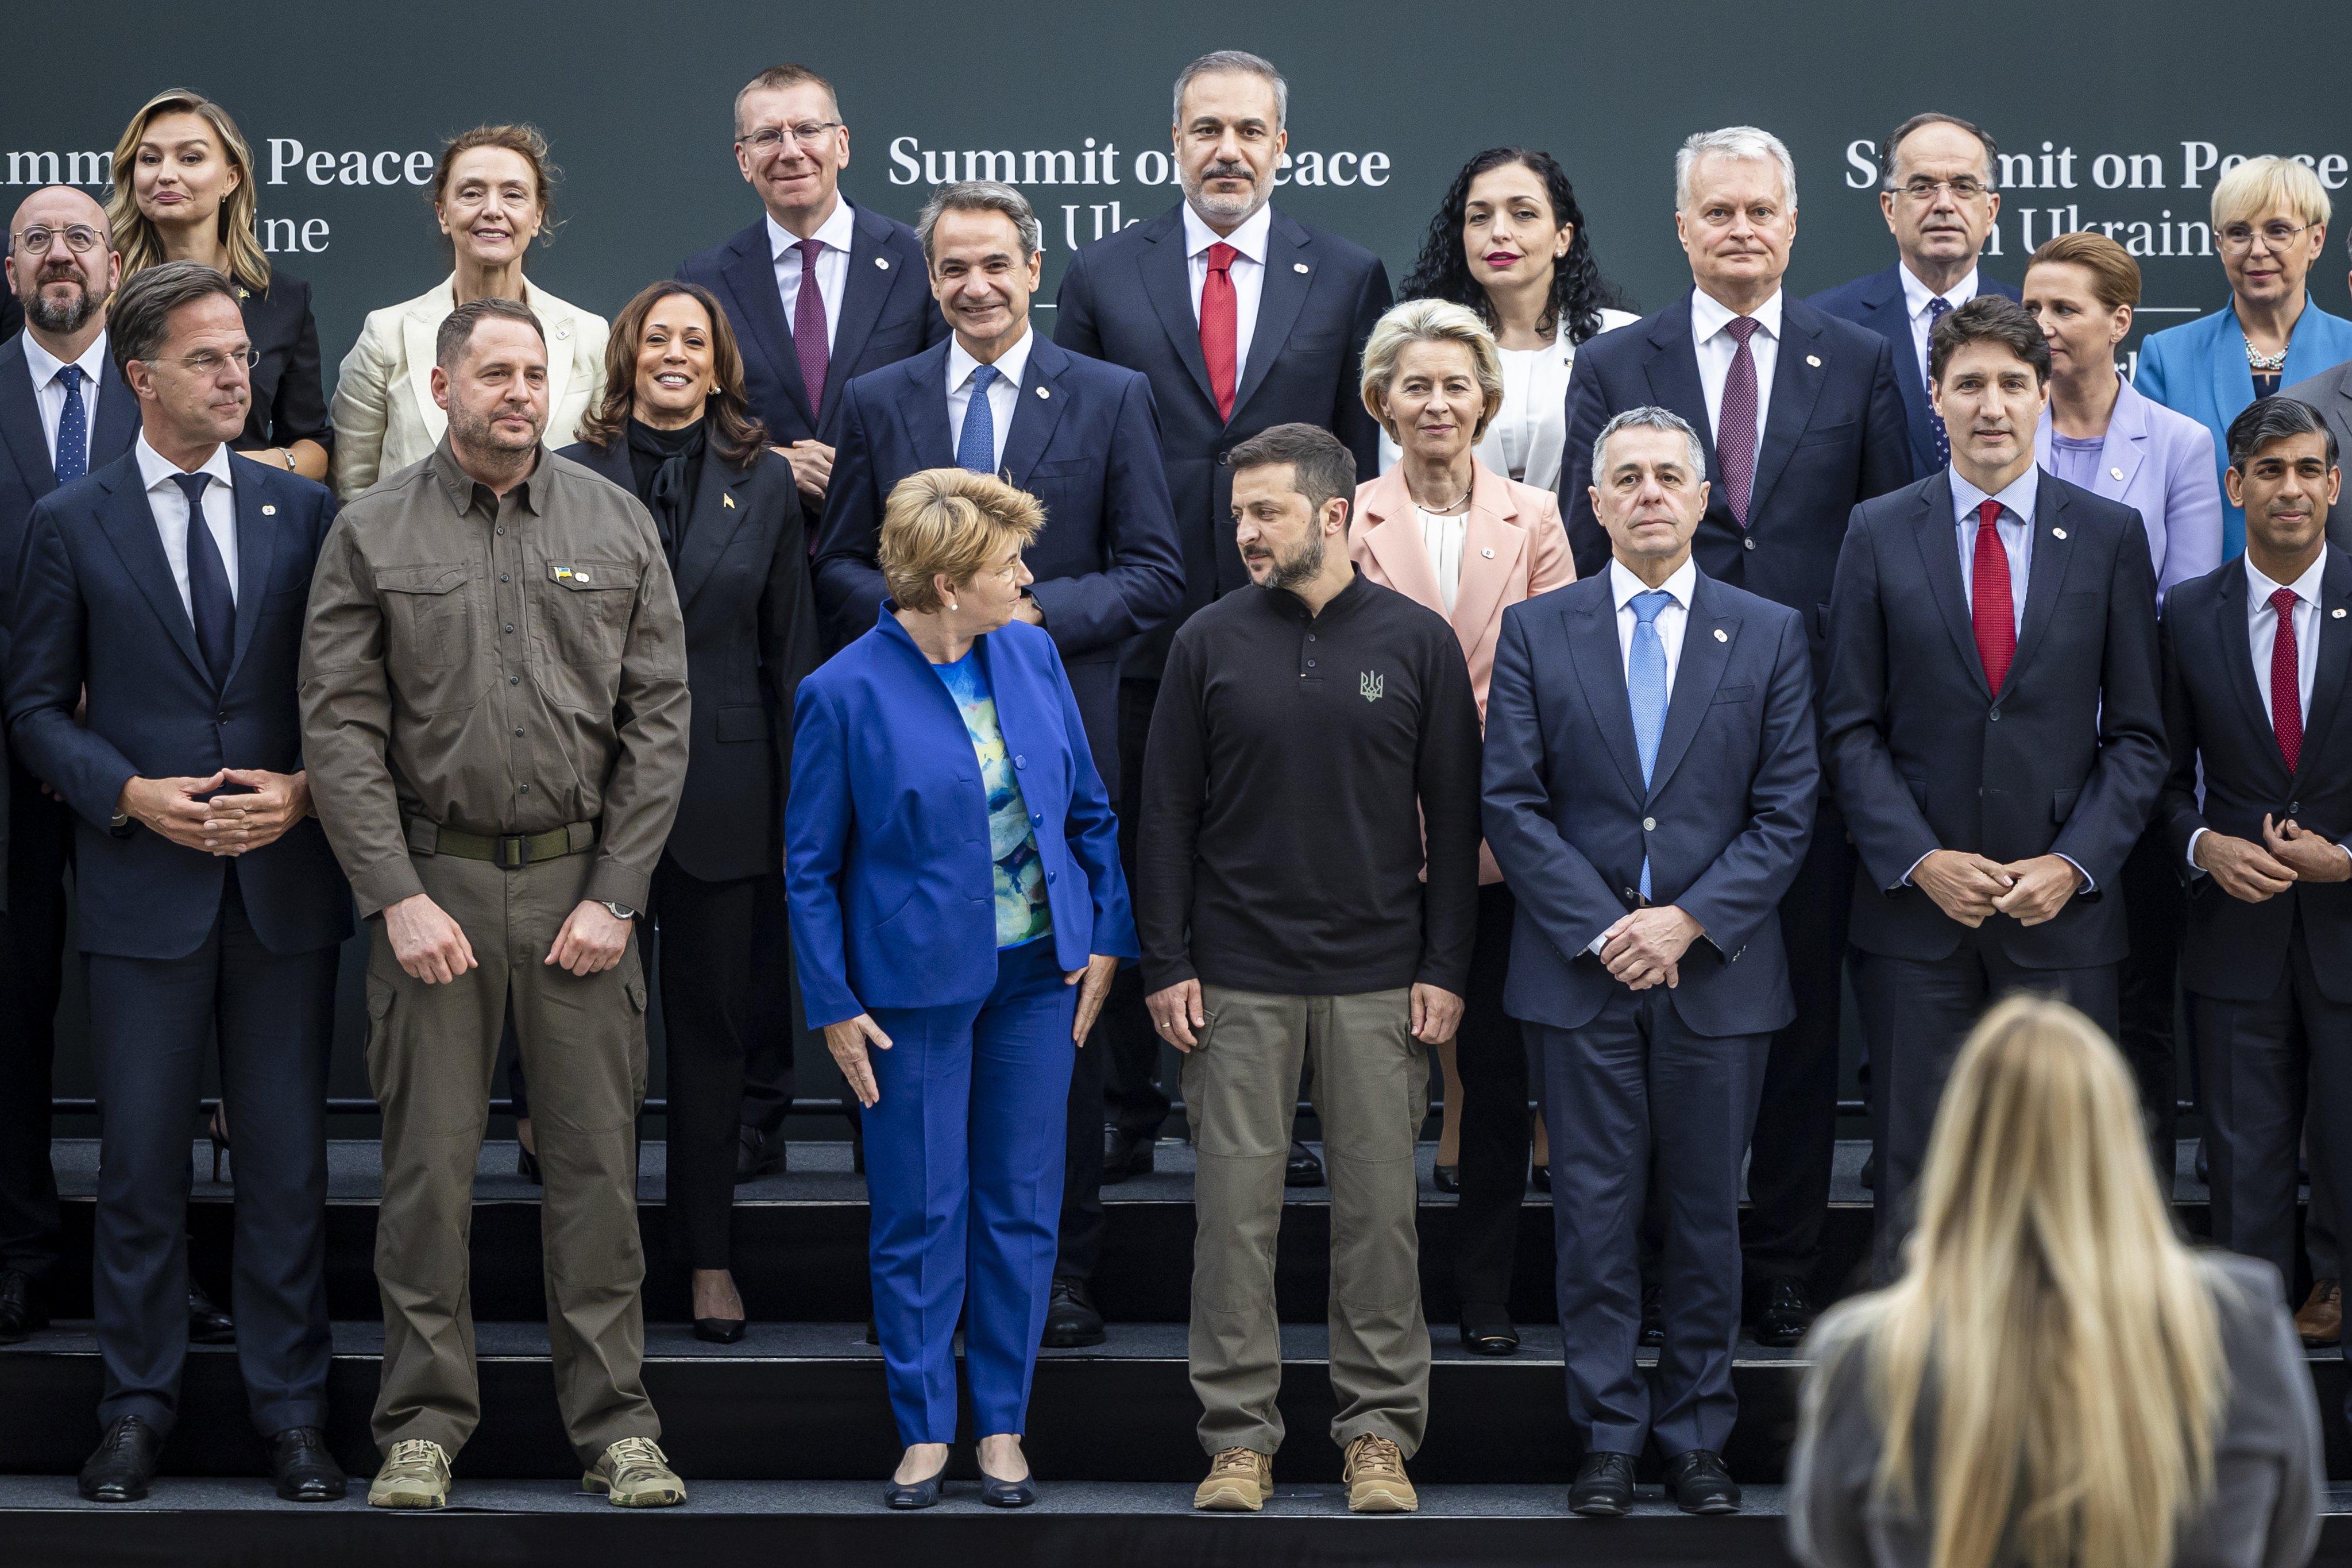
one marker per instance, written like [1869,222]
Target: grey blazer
[2330,392]
[2269,1475]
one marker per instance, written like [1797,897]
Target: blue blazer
[1725,821]
[2160,464]
[1085,442]
[887,313]
[27,471]
[2199,368]
[1876,301]
[98,611]
[887,867]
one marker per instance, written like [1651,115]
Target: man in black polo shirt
[1309,728]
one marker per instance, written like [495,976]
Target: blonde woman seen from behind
[2056,1381]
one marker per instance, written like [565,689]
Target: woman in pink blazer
[1442,528]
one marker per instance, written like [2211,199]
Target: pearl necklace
[2258,362]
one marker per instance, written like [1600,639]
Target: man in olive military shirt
[494,713]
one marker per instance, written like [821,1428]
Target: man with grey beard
[64,411]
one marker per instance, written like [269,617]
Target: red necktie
[1990,607]
[2286,683]
[1218,314]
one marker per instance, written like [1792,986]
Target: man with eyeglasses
[1936,192]
[64,410]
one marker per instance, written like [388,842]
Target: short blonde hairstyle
[2258,184]
[951,523]
[1431,321]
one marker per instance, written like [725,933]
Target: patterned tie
[1937,308]
[210,605]
[808,327]
[1219,316]
[1735,429]
[976,446]
[73,428]
[1989,605]
[1646,688]
[2286,682]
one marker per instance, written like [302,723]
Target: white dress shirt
[1916,302]
[1248,274]
[2262,641]
[1003,393]
[1717,348]
[2015,527]
[170,505]
[1623,585]
[832,264]
[1442,534]
[49,393]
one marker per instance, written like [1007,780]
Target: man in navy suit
[1937,194]
[1994,731]
[1244,319]
[1083,438]
[2256,656]
[151,684]
[1651,773]
[64,410]
[1801,420]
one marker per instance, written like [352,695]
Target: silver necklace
[2262,361]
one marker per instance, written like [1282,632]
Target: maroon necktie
[1990,607]
[1734,427]
[1219,319]
[808,328]
[2286,683]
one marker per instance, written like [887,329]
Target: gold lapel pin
[1813,360]
[1299,266]
[270,512]
[883,262]
[2057,534]
[1720,636]
[727,501]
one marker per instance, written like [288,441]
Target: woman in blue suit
[958,912]
[2270,224]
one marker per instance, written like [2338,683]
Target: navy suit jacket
[27,471]
[98,612]
[2067,758]
[1876,301]
[1832,436]
[1725,819]
[1127,299]
[2216,722]
[887,864]
[887,313]
[1085,442]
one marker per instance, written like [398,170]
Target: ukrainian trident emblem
[1370,685]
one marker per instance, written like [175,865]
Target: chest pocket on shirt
[587,615]
[428,616]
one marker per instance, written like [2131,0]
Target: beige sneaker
[415,1474]
[1239,1480]
[635,1473]
[1376,1479]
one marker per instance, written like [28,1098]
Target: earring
[953,605]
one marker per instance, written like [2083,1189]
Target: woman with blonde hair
[2056,1381]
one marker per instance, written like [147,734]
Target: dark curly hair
[1442,271]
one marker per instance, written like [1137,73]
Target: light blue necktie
[1646,688]
[976,448]
[73,428]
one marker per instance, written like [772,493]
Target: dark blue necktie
[73,428]
[1937,308]
[976,446]
[210,604]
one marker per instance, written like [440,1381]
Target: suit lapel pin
[1044,393]
[2057,534]
[1720,636]
[727,501]
[883,262]
[2114,473]
[1813,360]
[272,512]
[561,333]
[1488,553]
[1299,266]
[2337,613]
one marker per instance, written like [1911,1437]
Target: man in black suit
[64,410]
[1994,730]
[1243,318]
[1802,420]
[1936,192]
[2256,656]
[151,684]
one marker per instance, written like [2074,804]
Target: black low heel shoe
[1445,1178]
[718,1331]
[905,1495]
[1007,1494]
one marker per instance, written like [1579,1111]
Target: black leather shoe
[755,1156]
[1541,1178]
[1124,1156]
[1699,1484]
[1604,1486]
[1653,1315]
[1486,1330]
[1007,1494]
[1445,1178]
[1304,1169]
[527,1166]
[207,1324]
[21,1312]
[123,1464]
[1788,1314]
[1072,1319]
[305,1472]
[718,1331]
[904,1494]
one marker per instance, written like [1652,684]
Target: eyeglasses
[78,239]
[206,361]
[1966,188]
[2237,238]
[811,135]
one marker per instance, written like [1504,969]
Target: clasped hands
[226,824]
[1645,947]
[2289,853]
[1970,886]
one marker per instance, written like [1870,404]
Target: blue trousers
[963,1170]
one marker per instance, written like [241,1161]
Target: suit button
[1649,825]
[1747,544]
[1996,715]
[2294,808]
[1049,876]
[1017,762]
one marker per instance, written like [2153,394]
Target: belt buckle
[513,851]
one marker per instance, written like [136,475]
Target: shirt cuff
[2195,870]
[611,882]
[2090,883]
[385,884]
[1906,881]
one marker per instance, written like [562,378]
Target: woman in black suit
[184,191]
[675,428]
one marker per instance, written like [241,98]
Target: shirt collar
[1709,314]
[2260,588]
[1916,297]
[45,365]
[155,470]
[836,231]
[1250,239]
[459,485]
[1012,364]
[1624,584]
[2017,498]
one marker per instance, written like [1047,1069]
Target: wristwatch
[618,911]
